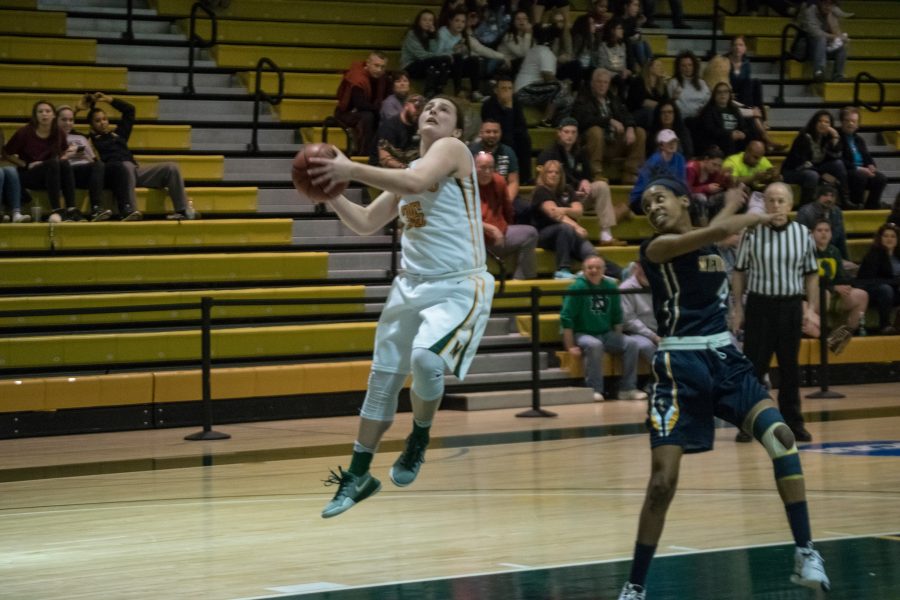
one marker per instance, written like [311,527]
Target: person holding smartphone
[86,166]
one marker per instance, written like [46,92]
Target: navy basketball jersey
[690,292]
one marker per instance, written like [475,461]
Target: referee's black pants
[774,324]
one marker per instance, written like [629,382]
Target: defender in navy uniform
[701,375]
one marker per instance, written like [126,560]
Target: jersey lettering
[711,263]
[413,215]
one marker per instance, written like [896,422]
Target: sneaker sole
[398,484]
[809,583]
[353,503]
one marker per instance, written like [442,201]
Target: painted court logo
[872,448]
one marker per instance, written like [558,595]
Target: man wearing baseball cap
[667,161]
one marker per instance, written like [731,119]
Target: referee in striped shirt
[776,265]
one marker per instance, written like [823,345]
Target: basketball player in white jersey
[438,305]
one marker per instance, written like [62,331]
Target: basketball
[302,181]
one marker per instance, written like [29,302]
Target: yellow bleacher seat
[843,92]
[24,236]
[872,9]
[313,59]
[47,77]
[125,270]
[73,301]
[18,105]
[143,137]
[295,84]
[32,22]
[882,69]
[859,48]
[320,12]
[207,200]
[343,35]
[47,49]
[210,166]
[165,346]
[769,26]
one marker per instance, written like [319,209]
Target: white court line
[584,563]
[684,549]
[308,588]
[12,512]
[514,566]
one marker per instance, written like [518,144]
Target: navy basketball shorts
[694,386]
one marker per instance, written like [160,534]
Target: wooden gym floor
[505,508]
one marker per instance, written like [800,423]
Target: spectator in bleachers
[608,129]
[10,190]
[751,167]
[37,150]
[592,325]
[490,59]
[393,104]
[397,142]
[638,319]
[675,9]
[502,236]
[467,53]
[88,169]
[562,43]
[448,7]
[587,37]
[613,56]
[536,83]
[866,183]
[686,87]
[541,6]
[122,172]
[556,210]
[785,8]
[721,124]
[518,40]
[816,155]
[825,208]
[505,161]
[879,274]
[639,52]
[493,21]
[840,295]
[646,91]
[363,88]
[667,116]
[824,38]
[594,195]
[665,162]
[503,107]
[419,56]
[707,183]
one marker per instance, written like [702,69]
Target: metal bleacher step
[155,56]
[520,398]
[162,82]
[522,378]
[193,112]
[287,200]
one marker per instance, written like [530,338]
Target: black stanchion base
[207,435]
[825,394]
[536,412]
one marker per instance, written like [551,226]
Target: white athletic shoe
[632,395]
[631,591]
[598,397]
[809,569]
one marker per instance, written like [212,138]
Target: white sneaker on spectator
[598,397]
[632,395]
[20,218]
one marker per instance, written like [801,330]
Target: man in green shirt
[592,325]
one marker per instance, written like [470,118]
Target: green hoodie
[593,315]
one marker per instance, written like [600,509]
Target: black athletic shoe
[406,468]
[743,438]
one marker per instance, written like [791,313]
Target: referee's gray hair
[787,188]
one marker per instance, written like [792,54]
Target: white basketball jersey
[442,232]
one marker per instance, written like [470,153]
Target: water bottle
[189,210]
[862,324]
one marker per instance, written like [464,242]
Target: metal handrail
[196,42]
[717,10]
[259,95]
[128,34]
[782,59]
[857,101]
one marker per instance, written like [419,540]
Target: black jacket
[587,112]
[576,167]
[860,145]
[801,151]
[113,146]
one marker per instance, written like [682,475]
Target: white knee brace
[381,396]
[428,374]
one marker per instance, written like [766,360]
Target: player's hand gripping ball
[303,181]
